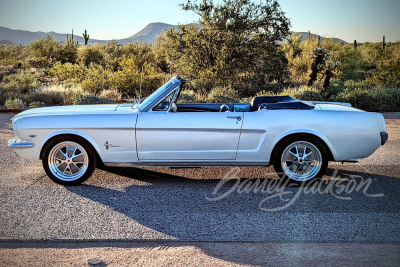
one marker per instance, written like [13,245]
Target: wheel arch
[299,134]
[85,138]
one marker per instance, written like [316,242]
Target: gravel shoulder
[200,254]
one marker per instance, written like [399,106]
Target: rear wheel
[301,159]
[68,160]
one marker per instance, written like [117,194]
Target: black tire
[286,143]
[56,174]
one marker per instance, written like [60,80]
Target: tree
[235,45]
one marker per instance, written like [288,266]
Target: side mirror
[174,108]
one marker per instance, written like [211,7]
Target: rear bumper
[384,138]
[16,143]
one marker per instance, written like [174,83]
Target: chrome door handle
[235,117]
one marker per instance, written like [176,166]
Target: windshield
[162,91]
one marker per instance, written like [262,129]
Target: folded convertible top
[278,102]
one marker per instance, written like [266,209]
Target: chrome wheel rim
[301,161]
[68,161]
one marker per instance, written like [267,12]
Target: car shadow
[185,209]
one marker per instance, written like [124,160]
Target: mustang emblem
[108,145]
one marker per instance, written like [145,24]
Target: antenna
[141,80]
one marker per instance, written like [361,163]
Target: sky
[361,20]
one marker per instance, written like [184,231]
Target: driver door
[188,136]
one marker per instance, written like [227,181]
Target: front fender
[71,132]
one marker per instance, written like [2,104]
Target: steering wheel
[224,108]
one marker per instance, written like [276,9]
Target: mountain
[315,36]
[148,34]
[6,42]
[27,37]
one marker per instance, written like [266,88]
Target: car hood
[76,110]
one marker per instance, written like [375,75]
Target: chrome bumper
[16,143]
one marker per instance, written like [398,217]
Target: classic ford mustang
[297,137]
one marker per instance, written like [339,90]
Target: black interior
[259,102]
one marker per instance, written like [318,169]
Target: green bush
[97,79]
[3,97]
[91,99]
[49,98]
[90,54]
[362,99]
[37,104]
[187,96]
[19,83]
[15,103]
[68,72]
[309,96]
[389,100]
[225,91]
[213,98]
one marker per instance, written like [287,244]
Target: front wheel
[68,160]
[301,159]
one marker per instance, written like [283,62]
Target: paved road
[174,204]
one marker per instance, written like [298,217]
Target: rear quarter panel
[348,134]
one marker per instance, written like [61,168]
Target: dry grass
[68,91]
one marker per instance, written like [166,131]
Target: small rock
[94,261]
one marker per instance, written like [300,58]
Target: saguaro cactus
[309,35]
[383,43]
[319,40]
[355,44]
[86,37]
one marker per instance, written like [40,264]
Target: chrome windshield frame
[173,86]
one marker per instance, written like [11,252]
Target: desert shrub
[97,79]
[83,99]
[215,98]
[111,94]
[37,104]
[90,54]
[389,99]
[38,97]
[225,91]
[362,99]
[15,103]
[187,96]
[3,97]
[127,78]
[13,54]
[61,93]
[43,52]
[352,65]
[56,98]
[68,71]
[309,96]
[19,83]
[352,85]
[6,70]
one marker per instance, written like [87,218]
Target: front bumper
[17,143]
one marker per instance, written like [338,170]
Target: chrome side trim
[16,143]
[185,164]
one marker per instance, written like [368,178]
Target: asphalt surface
[356,203]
